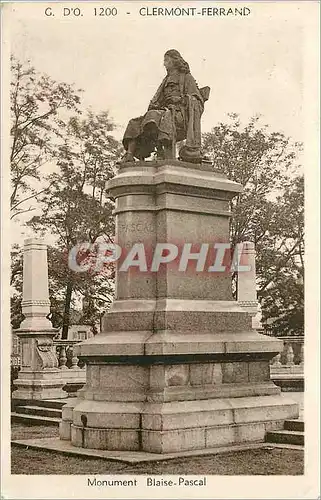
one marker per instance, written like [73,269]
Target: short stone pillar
[246,277]
[177,366]
[39,377]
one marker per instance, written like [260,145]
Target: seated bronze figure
[174,114]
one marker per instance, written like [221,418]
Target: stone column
[177,366]
[246,277]
[35,303]
[39,377]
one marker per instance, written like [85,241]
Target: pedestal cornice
[175,177]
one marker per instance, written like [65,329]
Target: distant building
[80,332]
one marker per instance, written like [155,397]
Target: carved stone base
[39,377]
[176,407]
[191,392]
[39,385]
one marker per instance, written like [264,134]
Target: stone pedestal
[246,282]
[178,365]
[39,377]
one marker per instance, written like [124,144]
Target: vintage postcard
[160,237]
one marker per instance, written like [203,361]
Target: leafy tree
[16,286]
[283,301]
[269,211]
[16,267]
[15,310]
[37,106]
[75,209]
[282,263]
[96,289]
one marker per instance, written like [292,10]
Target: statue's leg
[131,146]
[168,152]
[150,131]
[160,152]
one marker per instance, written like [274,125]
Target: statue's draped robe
[163,125]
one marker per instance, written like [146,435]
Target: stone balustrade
[73,375]
[65,354]
[287,368]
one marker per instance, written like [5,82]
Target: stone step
[294,425]
[271,446]
[47,403]
[40,411]
[34,419]
[285,437]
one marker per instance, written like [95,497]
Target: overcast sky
[253,64]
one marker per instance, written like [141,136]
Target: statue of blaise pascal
[174,115]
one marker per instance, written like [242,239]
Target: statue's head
[173,59]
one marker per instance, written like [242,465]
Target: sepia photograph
[160,294]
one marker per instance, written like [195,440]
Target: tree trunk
[66,316]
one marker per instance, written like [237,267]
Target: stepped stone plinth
[177,366]
[39,377]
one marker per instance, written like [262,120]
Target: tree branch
[30,209]
[31,196]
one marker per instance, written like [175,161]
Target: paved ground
[274,461]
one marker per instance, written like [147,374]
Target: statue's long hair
[179,62]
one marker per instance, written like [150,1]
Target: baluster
[63,358]
[289,355]
[57,352]
[302,355]
[74,360]
[276,361]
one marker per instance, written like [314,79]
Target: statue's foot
[127,158]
